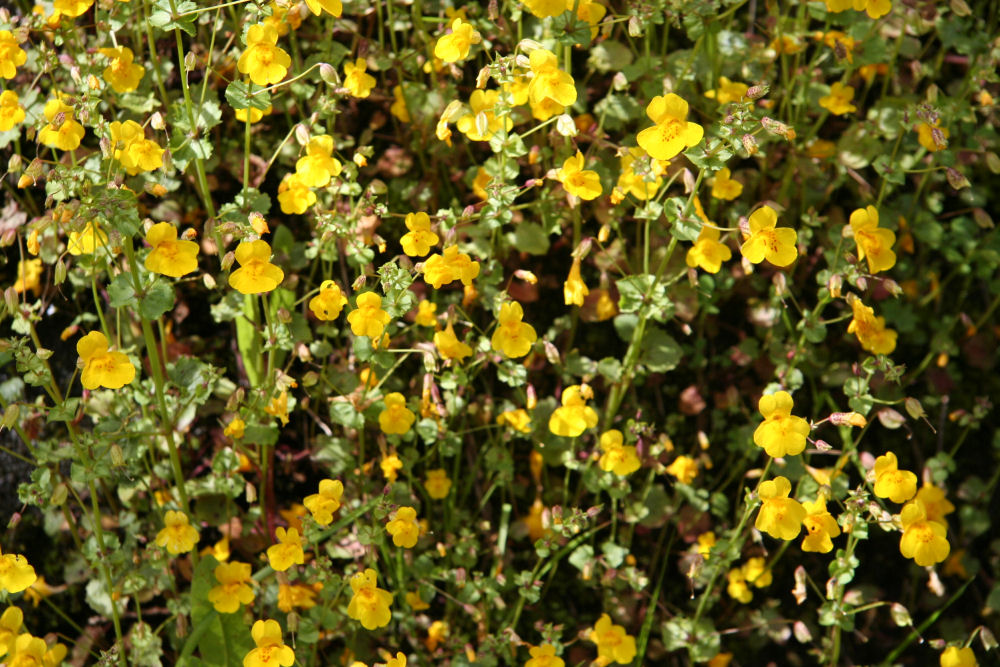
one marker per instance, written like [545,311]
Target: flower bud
[749,144]
[227,260]
[757,91]
[301,134]
[15,163]
[190,61]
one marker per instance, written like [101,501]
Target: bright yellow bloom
[329,302]
[449,266]
[62,131]
[756,572]
[953,656]
[838,102]
[322,505]
[820,527]
[398,661]
[781,433]
[873,242]
[839,43]
[368,319]
[177,535]
[357,82]
[271,649]
[519,420]
[725,187]
[302,596]
[398,108]
[396,418]
[618,458]
[233,589]
[613,643]
[874,8]
[544,656]
[766,242]
[871,330]
[779,516]
[332,7]
[639,176]
[72,8]
[86,241]
[404,527]
[574,289]
[132,149]
[426,314]
[263,60]
[512,337]
[10,625]
[318,166]
[278,407]
[671,133]
[102,367]
[123,75]
[737,587]
[294,195]
[11,111]
[418,241]
[548,81]
[706,541]
[170,257]
[574,416]
[589,11]
[415,602]
[29,274]
[684,468]
[390,465]
[12,55]
[256,273]
[437,483]
[255,114]
[483,122]
[708,252]
[369,604]
[16,573]
[545,8]
[583,183]
[926,542]
[449,346]
[455,45]
[932,137]
[287,552]
[936,506]
[728,91]
[891,482]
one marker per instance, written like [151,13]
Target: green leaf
[165,19]
[660,352]
[120,292]
[158,300]
[644,293]
[239,97]
[223,640]
[530,237]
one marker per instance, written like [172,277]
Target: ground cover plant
[552,332]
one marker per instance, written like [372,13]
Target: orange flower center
[671,129]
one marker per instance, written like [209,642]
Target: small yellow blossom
[513,337]
[102,367]
[396,418]
[170,257]
[574,289]
[356,79]
[671,132]
[455,46]
[779,516]
[933,137]
[233,589]
[449,266]
[404,528]
[618,458]
[287,552]
[418,241]
[29,274]
[437,483]
[16,573]
[332,7]
[415,602]
[838,102]
[891,482]
[724,186]
[706,541]
[583,183]
[483,122]
[767,241]
[543,9]
[329,302]
[426,316]
[820,526]
[684,468]
[548,81]
[398,108]
[936,506]
[369,604]
[271,650]
[256,273]
[68,134]
[871,330]
[953,656]
[544,656]
[449,346]
[294,196]
[728,91]
[123,75]
[318,166]
[235,429]
[574,416]
[874,243]
[322,505]
[368,319]
[12,55]
[708,252]
[519,420]
[781,433]
[178,536]
[11,111]
[263,60]
[391,465]
[926,542]
[613,643]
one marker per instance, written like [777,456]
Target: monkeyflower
[576,180]
[455,46]
[449,266]
[356,79]
[11,111]
[287,552]
[29,276]
[932,136]
[449,346]
[256,273]
[640,176]
[574,289]
[781,433]
[953,656]
[776,245]
[589,11]
[10,625]
[891,482]
[737,587]
[72,8]
[437,483]
[390,465]
[177,536]
[426,314]
[318,166]
[235,429]
[132,149]
[404,527]
[398,108]
[924,541]
[396,418]
[838,102]
[123,75]
[170,257]
[871,330]
[16,573]
[369,604]
[513,337]
[86,241]
[418,241]
[329,302]
[874,8]
[271,650]
[482,123]
[708,252]
[613,643]
[12,55]
[684,468]
[301,596]
[233,589]
[322,505]
[874,243]
[332,7]
[543,9]
[101,366]
[780,516]
[820,526]
[756,572]
[263,60]
[518,419]
[725,187]
[544,656]
[294,195]
[728,91]
[936,506]
[548,82]
[574,416]
[368,319]
[671,132]
[618,458]
[62,131]
[706,541]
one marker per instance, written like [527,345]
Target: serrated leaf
[158,300]
[239,97]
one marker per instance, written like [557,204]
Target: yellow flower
[779,516]
[684,468]
[418,241]
[728,91]
[583,183]
[936,506]
[369,604]
[480,182]
[62,131]
[332,7]
[589,11]
[278,407]
[329,302]
[483,104]
[706,541]
[618,458]
[574,416]
[72,8]
[255,114]
[12,55]
[404,527]
[449,346]
[839,42]
[924,541]
[613,643]
[86,241]
[294,195]
[38,591]
[737,587]
[545,8]
[638,176]
[396,418]
[820,527]
[838,102]
[256,273]
[725,187]
[781,433]
[756,572]
[287,552]
[873,242]
[436,634]
[170,257]
[398,108]
[766,242]
[548,81]
[932,137]
[131,148]
[177,535]
[271,649]
[449,266]
[707,252]
[437,483]
[574,289]
[426,314]
[11,111]
[123,75]
[10,625]
[513,337]
[263,60]
[519,420]
[318,166]
[391,465]
[455,45]
[953,656]
[302,596]
[29,274]
[102,367]
[233,589]
[415,602]
[322,505]
[368,319]
[891,482]
[671,132]
[871,330]
[398,661]
[357,82]
[16,573]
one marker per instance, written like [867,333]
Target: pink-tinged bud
[757,91]
[749,144]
